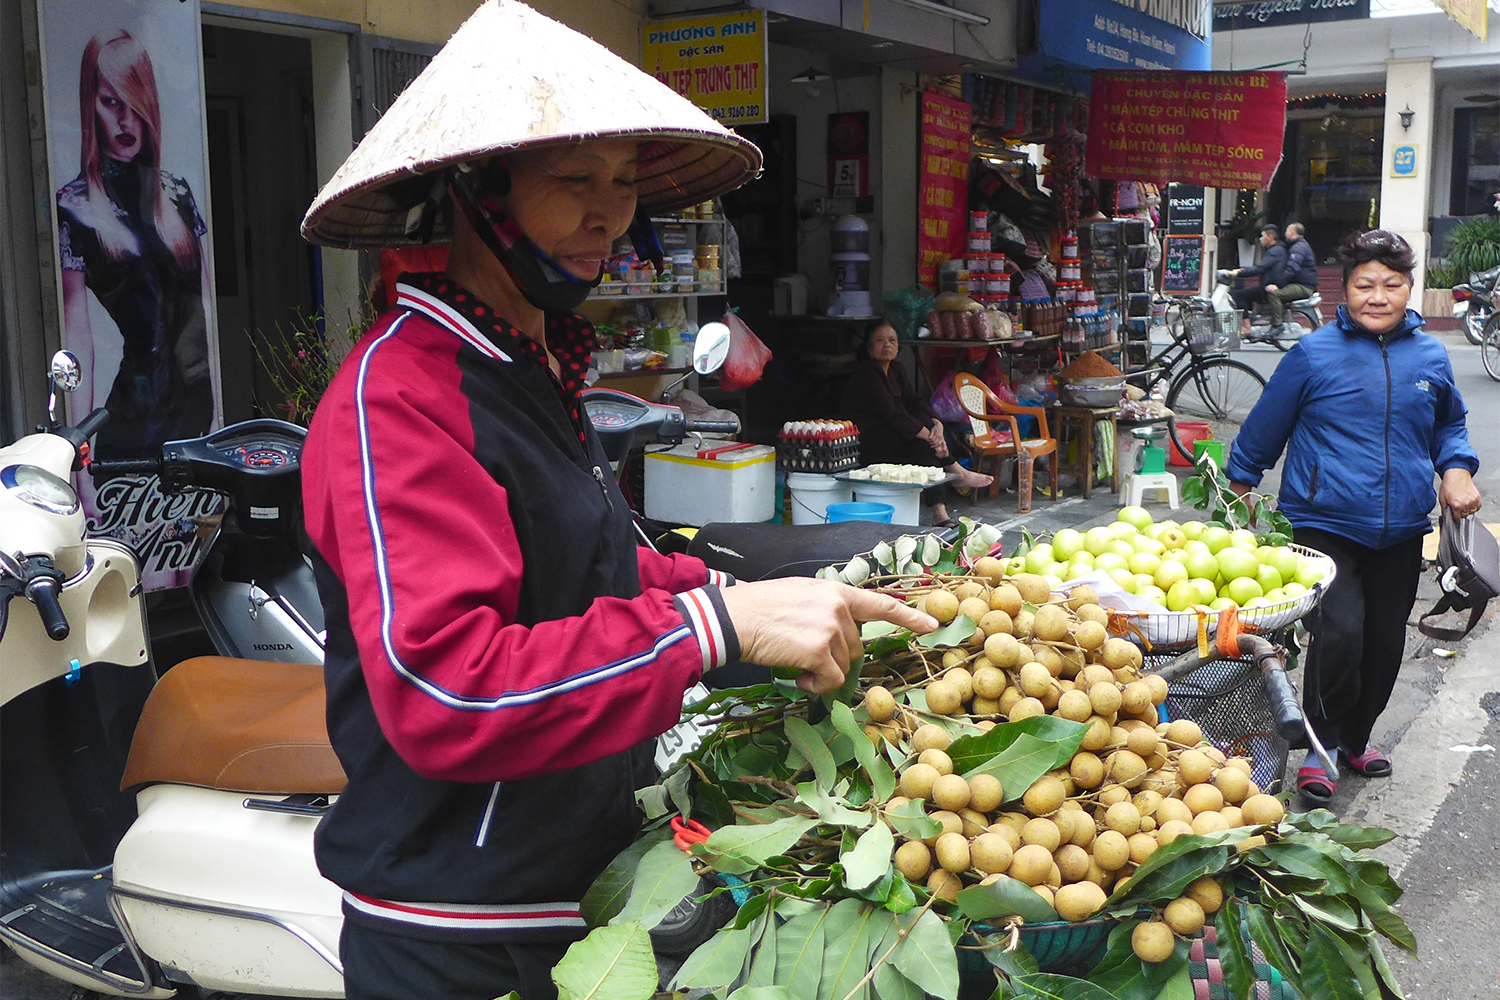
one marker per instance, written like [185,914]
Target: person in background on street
[1270,268]
[897,426]
[501,655]
[129,232]
[1298,278]
[1368,414]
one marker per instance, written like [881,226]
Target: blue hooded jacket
[1366,422]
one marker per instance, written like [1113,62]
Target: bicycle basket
[1228,701]
[1206,334]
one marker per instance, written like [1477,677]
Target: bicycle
[1204,384]
[1489,346]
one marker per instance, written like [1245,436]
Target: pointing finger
[867,606]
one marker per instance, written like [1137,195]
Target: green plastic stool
[1153,459]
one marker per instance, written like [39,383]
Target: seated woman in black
[896,425]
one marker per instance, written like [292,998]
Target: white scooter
[1303,316]
[196,871]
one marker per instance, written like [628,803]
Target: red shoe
[1372,763]
[1314,785]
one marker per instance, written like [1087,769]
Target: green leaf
[970,752]
[1266,933]
[846,954]
[761,993]
[830,808]
[718,961]
[1053,987]
[1180,986]
[890,984]
[1029,756]
[612,963]
[799,953]
[1354,946]
[735,850]
[1383,968]
[1331,911]
[882,778]
[870,859]
[955,633]
[1004,897]
[1192,491]
[1013,963]
[1392,926]
[910,819]
[1360,838]
[1168,878]
[927,957]
[1180,848]
[1234,956]
[1324,973]
[663,879]
[606,897]
[763,952]
[901,898]
[812,748]
[1307,861]
[1122,973]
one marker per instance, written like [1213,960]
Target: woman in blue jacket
[1367,412]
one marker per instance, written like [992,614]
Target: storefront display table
[1078,422]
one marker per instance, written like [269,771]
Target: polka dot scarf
[570,338]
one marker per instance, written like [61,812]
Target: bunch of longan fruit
[1134,784]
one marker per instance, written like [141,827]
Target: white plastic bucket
[812,493]
[906,499]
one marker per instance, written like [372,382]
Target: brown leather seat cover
[236,725]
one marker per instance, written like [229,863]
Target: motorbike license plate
[1461,308]
[684,737]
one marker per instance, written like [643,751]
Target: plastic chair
[984,409]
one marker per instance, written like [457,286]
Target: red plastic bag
[747,356]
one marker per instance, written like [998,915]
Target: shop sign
[718,62]
[1185,209]
[129,175]
[1270,13]
[1404,161]
[1471,15]
[942,183]
[1107,34]
[1221,130]
[849,154]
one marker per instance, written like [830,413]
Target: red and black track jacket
[499,651]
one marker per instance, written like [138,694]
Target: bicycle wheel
[1219,392]
[1489,347]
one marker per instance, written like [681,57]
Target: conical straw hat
[511,78]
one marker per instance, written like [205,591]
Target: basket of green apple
[1169,580]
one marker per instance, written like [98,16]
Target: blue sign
[1404,161]
[1109,35]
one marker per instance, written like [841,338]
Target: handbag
[1468,572]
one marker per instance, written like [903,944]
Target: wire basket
[1058,946]
[1214,333]
[1229,702]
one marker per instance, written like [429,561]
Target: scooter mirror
[65,374]
[710,348]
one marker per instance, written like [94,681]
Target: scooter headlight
[40,488]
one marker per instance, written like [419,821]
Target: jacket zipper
[603,487]
[1313,493]
[1386,358]
[483,835]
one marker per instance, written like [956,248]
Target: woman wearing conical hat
[500,654]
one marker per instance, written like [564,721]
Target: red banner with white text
[943,184]
[1219,130]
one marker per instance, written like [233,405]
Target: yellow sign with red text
[718,62]
[1470,14]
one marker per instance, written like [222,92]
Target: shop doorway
[1335,159]
[263,174]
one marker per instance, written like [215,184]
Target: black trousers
[1359,635]
[381,966]
[1248,298]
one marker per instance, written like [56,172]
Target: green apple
[1066,543]
[1124,578]
[1268,578]
[1223,590]
[1243,538]
[1285,561]
[1124,529]
[1201,564]
[1194,529]
[1111,561]
[1242,589]
[1276,596]
[1015,565]
[1135,515]
[1167,574]
[1123,547]
[1077,569]
[1220,603]
[1151,592]
[1145,543]
[1215,538]
[1257,602]
[1236,563]
[1079,558]
[1195,545]
[1098,540]
[1172,538]
[1205,590]
[1293,589]
[1144,563]
[1053,580]
[1144,580]
[1039,560]
[1181,595]
[1309,575]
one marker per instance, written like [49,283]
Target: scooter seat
[236,725]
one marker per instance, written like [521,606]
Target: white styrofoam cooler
[690,485]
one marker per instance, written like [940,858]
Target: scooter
[1475,302]
[196,870]
[1303,316]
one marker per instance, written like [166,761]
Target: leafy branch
[1211,491]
